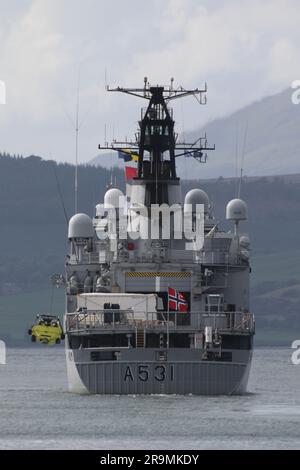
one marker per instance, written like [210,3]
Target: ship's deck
[97,322]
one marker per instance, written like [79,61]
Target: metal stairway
[140,338]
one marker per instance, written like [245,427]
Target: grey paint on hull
[198,378]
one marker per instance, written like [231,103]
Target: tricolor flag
[128,155]
[176,301]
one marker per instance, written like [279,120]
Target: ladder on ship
[140,337]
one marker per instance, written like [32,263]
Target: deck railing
[208,258]
[88,320]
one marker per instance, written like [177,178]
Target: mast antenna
[242,161]
[156,133]
[76,144]
[105,78]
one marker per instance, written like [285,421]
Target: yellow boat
[47,330]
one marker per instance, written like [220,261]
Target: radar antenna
[156,142]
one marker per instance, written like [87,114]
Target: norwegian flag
[176,301]
[130,172]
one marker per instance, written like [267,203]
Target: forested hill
[33,228]
[33,225]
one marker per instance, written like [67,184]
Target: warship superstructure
[149,311]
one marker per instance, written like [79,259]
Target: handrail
[217,256]
[118,319]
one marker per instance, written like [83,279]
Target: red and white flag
[130,172]
[176,301]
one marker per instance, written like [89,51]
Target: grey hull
[123,378]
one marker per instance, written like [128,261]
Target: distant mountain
[268,130]
[106,160]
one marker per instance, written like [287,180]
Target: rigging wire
[236,160]
[243,159]
[60,193]
[63,204]
[76,144]
[77,124]
[183,138]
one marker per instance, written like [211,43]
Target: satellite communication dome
[197,196]
[80,226]
[112,198]
[236,210]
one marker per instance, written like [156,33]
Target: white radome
[112,198]
[80,226]
[197,196]
[236,209]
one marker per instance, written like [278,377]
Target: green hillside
[33,239]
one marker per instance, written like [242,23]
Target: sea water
[37,412]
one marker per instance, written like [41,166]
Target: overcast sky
[243,49]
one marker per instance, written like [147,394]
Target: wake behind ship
[157,293]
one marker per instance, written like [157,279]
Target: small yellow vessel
[47,330]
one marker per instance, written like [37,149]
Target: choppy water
[36,411]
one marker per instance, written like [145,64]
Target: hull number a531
[160,373]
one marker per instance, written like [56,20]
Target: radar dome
[197,196]
[80,226]
[236,209]
[112,198]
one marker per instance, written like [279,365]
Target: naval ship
[152,308]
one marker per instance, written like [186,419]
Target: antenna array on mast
[169,92]
[156,134]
